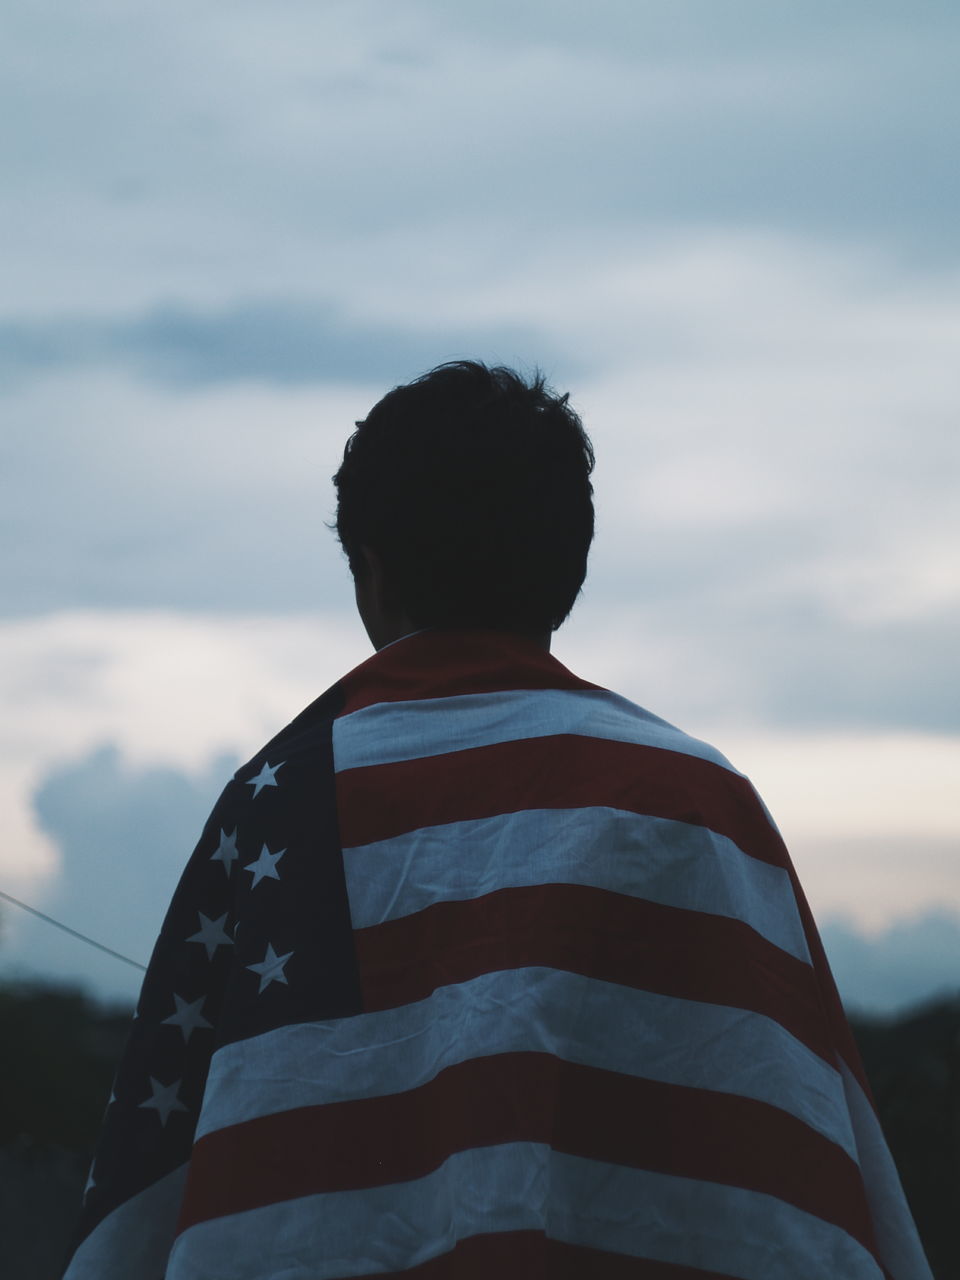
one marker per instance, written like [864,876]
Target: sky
[729,231]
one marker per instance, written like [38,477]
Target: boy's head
[468,491]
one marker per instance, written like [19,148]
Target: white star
[265,866]
[187,1017]
[211,934]
[265,778]
[227,852]
[164,1099]
[270,968]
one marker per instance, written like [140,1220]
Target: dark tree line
[58,1053]
[913,1064]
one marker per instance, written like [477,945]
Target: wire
[73,933]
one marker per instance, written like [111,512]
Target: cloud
[114,494]
[799,574]
[276,147]
[286,342]
[171,692]
[774,429]
[124,835]
[169,689]
[871,877]
[912,960]
[827,787]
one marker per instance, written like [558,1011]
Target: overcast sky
[728,230]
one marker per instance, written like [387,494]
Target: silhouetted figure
[478,969]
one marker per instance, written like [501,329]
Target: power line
[73,933]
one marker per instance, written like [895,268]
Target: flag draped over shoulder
[479,969]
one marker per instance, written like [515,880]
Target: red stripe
[609,936]
[562,771]
[444,664]
[530,1255]
[526,1097]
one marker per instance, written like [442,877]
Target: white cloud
[834,785]
[179,690]
[28,856]
[916,575]
[873,881]
[164,689]
[167,688]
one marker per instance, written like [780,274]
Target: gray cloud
[124,835]
[306,199]
[118,492]
[274,143]
[281,342]
[753,644]
[911,961]
[695,29]
[810,670]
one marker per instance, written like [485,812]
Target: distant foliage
[56,1071]
[58,1054]
[913,1065]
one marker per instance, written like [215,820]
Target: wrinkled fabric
[478,968]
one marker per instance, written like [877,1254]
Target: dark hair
[473,488]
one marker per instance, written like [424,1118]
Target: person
[478,968]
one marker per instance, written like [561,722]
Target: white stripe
[517,1187]
[582,1020]
[672,863]
[391,731]
[134,1240]
[897,1236]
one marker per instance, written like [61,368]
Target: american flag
[479,969]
